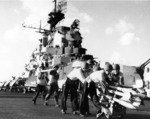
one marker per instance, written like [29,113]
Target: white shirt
[51,79]
[147,76]
[75,74]
[41,81]
[96,76]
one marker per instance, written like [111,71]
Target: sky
[113,30]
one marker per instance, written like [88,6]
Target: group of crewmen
[81,83]
[47,84]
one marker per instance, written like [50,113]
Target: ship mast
[55,16]
[55,1]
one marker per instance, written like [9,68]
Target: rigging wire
[44,26]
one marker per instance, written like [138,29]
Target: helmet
[108,67]
[116,67]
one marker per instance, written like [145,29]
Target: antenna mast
[55,1]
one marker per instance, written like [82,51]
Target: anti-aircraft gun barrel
[40,30]
[144,64]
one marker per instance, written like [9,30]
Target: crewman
[53,86]
[147,77]
[71,84]
[41,85]
[84,101]
[98,77]
[117,76]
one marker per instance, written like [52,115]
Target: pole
[55,5]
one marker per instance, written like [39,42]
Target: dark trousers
[52,89]
[91,91]
[84,101]
[71,87]
[39,89]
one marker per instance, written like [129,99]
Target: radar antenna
[40,30]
